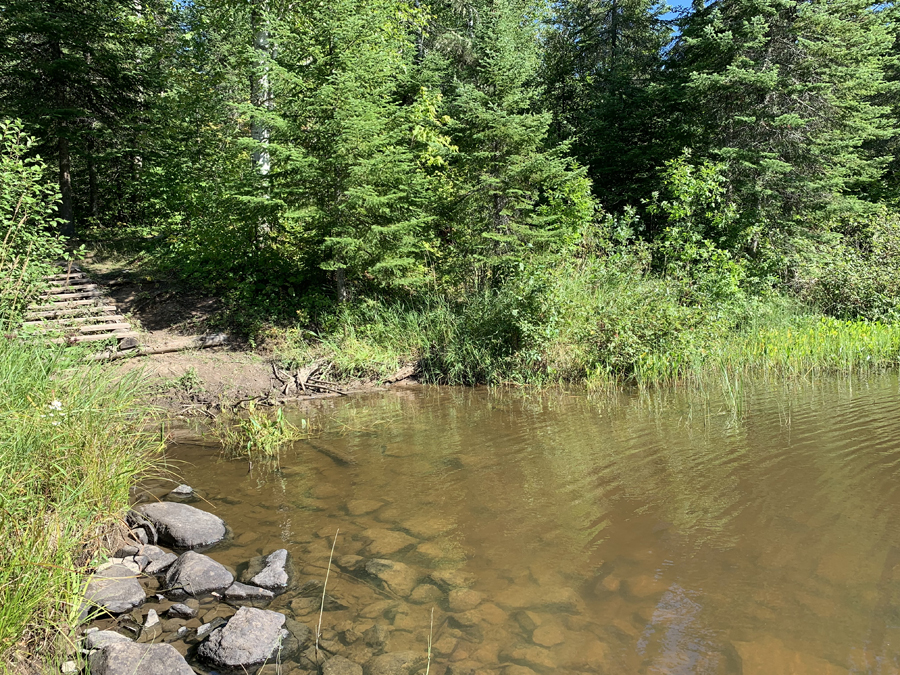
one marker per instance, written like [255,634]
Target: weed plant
[601,324]
[73,440]
[256,435]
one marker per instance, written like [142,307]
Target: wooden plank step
[82,311]
[62,277]
[71,283]
[83,330]
[68,304]
[76,320]
[73,294]
[96,338]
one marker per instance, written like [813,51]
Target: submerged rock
[463,599]
[397,577]
[129,658]
[385,542]
[270,572]
[182,525]
[338,665]
[194,574]
[450,579]
[251,637]
[182,491]
[113,589]
[396,663]
[152,627]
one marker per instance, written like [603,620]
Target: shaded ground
[195,380]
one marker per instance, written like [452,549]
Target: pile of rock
[239,641]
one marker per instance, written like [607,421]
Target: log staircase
[76,310]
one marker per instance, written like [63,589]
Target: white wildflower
[56,405]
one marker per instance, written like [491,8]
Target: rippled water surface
[622,534]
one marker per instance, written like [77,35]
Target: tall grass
[602,324]
[73,440]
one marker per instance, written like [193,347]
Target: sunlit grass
[73,441]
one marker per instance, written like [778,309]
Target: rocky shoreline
[162,606]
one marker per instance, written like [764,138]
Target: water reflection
[627,534]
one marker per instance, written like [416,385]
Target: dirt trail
[193,381]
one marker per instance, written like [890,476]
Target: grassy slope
[599,326]
[71,446]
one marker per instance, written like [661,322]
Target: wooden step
[78,330]
[81,311]
[68,304]
[76,320]
[74,276]
[96,338]
[73,294]
[55,285]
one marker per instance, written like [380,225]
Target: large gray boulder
[397,577]
[129,658]
[99,639]
[182,525]
[195,574]
[270,571]
[396,663]
[251,637]
[113,589]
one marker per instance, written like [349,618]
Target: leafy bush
[27,219]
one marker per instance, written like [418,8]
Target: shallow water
[624,534]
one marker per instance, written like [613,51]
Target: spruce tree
[783,92]
[70,69]
[603,68]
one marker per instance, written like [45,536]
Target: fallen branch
[203,342]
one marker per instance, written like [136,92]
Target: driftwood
[336,455]
[203,342]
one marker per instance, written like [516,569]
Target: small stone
[69,668]
[445,645]
[251,637]
[527,621]
[127,551]
[269,572]
[548,636]
[377,609]
[338,665]
[182,491]
[350,563]
[350,635]
[129,658]
[385,542]
[425,593]
[182,525]
[427,527]
[518,670]
[463,599]
[376,637]
[152,629]
[194,573]
[450,579]
[239,591]
[182,611]
[397,577]
[396,663]
[100,638]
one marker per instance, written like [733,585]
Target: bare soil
[193,381]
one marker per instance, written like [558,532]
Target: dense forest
[504,190]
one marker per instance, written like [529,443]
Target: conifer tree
[603,68]
[783,91]
[69,67]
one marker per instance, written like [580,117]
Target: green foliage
[257,436]
[70,449]
[27,220]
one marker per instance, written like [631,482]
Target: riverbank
[73,441]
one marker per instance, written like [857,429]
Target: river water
[668,533]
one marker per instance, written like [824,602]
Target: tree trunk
[260,94]
[92,179]
[66,210]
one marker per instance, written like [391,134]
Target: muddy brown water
[604,534]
